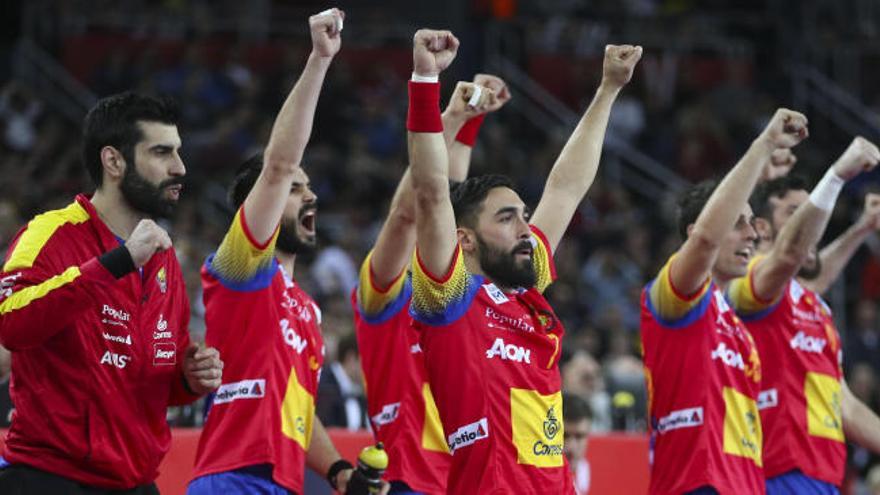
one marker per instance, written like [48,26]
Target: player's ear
[467,238]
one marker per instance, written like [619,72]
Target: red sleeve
[38,302]
[180,393]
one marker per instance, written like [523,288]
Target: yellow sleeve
[373,300]
[240,259]
[440,301]
[667,302]
[545,268]
[741,292]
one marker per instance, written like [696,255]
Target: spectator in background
[341,401]
[863,342]
[20,112]
[582,376]
[577,418]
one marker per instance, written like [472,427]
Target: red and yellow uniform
[267,330]
[703,376]
[492,361]
[399,401]
[800,399]
[96,360]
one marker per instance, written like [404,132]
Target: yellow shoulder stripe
[30,294]
[39,231]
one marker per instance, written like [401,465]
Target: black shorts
[19,479]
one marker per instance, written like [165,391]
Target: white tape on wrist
[337,18]
[424,79]
[824,195]
[475,98]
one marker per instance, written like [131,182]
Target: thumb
[192,349]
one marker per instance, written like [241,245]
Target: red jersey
[399,401]
[95,360]
[800,399]
[267,330]
[703,377]
[492,361]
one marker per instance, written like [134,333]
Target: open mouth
[523,252]
[307,221]
[175,190]
[744,255]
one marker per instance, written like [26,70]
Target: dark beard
[501,267]
[811,273]
[289,241]
[145,197]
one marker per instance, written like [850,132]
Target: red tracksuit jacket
[95,360]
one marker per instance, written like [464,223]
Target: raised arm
[860,424]
[576,167]
[436,238]
[397,238]
[292,129]
[804,229]
[692,266]
[836,255]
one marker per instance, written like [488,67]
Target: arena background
[712,73]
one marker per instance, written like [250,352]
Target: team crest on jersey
[496,294]
[162,280]
[551,424]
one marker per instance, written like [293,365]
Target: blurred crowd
[694,114]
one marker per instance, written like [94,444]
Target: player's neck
[115,212]
[721,280]
[287,260]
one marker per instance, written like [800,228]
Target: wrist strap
[467,135]
[825,193]
[424,79]
[335,468]
[118,261]
[424,107]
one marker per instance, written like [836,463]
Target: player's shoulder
[45,235]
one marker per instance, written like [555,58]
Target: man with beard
[491,340]
[400,403]
[807,410]
[94,310]
[261,430]
[701,364]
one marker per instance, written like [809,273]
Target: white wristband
[424,79]
[825,193]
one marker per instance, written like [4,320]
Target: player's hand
[619,64]
[146,239]
[202,369]
[349,486]
[870,217]
[861,155]
[786,129]
[465,103]
[498,86]
[326,31]
[433,51]
[781,162]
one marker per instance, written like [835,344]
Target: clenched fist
[202,369]
[860,156]
[146,240]
[498,86]
[781,162]
[460,106]
[870,218]
[619,63]
[326,31]
[433,51]
[786,129]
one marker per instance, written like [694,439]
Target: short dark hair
[245,178]
[468,196]
[691,202]
[113,121]
[347,345]
[776,188]
[575,408]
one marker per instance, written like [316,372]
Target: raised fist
[145,241]
[498,86]
[870,217]
[461,104]
[326,31]
[786,129]
[781,162]
[860,156]
[433,51]
[620,61]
